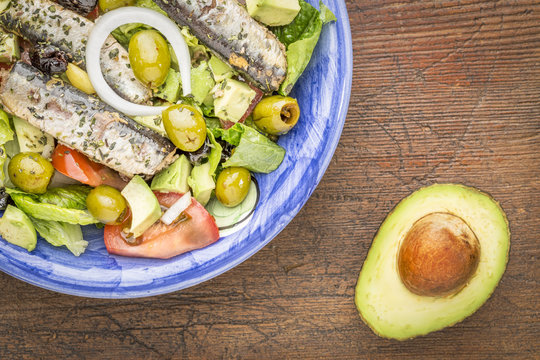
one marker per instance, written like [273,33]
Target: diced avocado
[202,183]
[153,122]
[202,82]
[32,139]
[145,209]
[174,178]
[273,12]
[232,99]
[9,47]
[170,89]
[17,229]
[220,69]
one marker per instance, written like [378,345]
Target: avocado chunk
[436,258]
[232,99]
[17,229]
[202,182]
[273,12]
[202,82]
[144,206]
[174,178]
[220,69]
[9,47]
[32,139]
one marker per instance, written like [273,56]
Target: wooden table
[443,91]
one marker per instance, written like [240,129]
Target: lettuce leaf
[254,151]
[61,234]
[215,154]
[70,197]
[30,204]
[6,134]
[300,38]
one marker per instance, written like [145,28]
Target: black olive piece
[4,199]
[197,157]
[49,59]
[227,150]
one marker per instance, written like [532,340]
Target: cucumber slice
[17,229]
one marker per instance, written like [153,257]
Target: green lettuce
[215,154]
[61,234]
[70,197]
[31,205]
[253,151]
[300,38]
[6,134]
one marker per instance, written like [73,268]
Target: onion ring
[127,15]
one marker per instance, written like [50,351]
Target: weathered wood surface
[443,91]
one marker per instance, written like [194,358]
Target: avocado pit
[438,256]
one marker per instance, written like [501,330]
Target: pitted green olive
[276,115]
[30,172]
[232,186]
[108,5]
[106,204]
[185,126]
[149,57]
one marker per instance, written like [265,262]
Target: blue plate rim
[345,93]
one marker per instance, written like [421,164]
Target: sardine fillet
[84,123]
[226,28]
[43,21]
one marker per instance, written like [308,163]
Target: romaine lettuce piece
[300,37]
[31,206]
[69,197]
[254,151]
[61,234]
[6,134]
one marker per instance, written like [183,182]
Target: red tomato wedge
[165,241]
[77,166]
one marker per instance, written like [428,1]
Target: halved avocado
[436,258]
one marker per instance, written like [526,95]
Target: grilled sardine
[43,21]
[226,27]
[84,122]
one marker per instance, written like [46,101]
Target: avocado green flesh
[174,178]
[145,208]
[388,307]
[17,229]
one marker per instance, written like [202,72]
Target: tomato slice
[165,241]
[77,166]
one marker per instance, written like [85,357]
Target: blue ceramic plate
[323,94]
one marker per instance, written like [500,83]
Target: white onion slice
[176,209]
[127,15]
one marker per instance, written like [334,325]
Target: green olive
[276,115]
[185,126]
[30,172]
[106,204]
[108,5]
[149,57]
[232,186]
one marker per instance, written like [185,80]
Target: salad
[147,118]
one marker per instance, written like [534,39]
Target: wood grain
[443,91]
